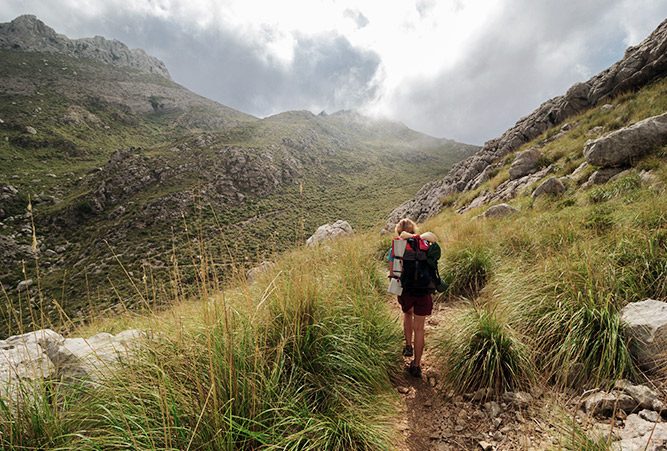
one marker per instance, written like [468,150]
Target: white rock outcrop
[620,147]
[329,231]
[44,354]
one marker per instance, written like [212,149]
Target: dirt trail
[433,418]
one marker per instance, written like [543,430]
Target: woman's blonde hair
[405,225]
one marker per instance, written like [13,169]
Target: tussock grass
[301,359]
[478,350]
[466,269]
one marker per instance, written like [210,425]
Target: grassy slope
[558,272]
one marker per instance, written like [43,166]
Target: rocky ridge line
[28,33]
[639,66]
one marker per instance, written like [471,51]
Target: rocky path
[433,418]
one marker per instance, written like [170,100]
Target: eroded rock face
[31,34]
[639,66]
[623,146]
[646,322]
[329,231]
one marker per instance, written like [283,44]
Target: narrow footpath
[434,418]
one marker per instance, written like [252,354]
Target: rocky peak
[28,33]
[640,65]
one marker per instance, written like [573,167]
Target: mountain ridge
[639,66]
[28,33]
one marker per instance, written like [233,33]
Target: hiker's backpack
[419,276]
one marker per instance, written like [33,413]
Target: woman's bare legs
[407,327]
[418,328]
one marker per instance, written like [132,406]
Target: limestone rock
[602,176]
[24,362]
[93,357]
[551,186]
[329,231]
[525,163]
[646,397]
[24,285]
[499,211]
[623,146]
[604,404]
[639,434]
[647,326]
[30,130]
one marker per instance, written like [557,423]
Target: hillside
[123,168]
[639,66]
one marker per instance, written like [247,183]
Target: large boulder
[623,146]
[93,357]
[329,231]
[525,163]
[646,322]
[552,186]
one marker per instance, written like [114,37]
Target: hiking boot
[414,370]
[408,351]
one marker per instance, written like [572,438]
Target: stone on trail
[605,404]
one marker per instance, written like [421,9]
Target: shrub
[479,351]
[466,269]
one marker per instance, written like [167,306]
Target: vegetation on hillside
[253,188]
[300,359]
[557,273]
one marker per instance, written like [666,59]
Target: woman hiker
[416,300]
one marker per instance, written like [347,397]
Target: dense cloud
[464,70]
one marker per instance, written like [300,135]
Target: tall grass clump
[573,320]
[299,360]
[479,351]
[466,268]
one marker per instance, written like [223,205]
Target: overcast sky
[461,69]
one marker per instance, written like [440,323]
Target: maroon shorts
[422,305]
